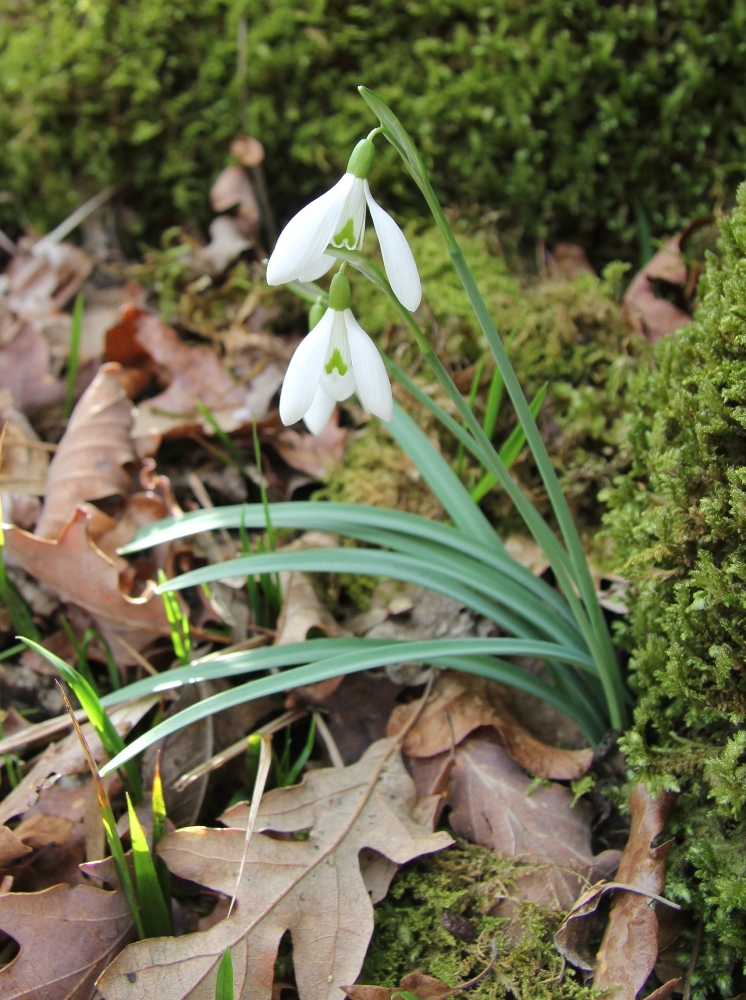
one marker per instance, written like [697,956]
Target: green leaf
[363,654]
[155,915]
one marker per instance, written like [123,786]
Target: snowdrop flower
[338,217]
[336,359]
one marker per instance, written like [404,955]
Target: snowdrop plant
[560,623]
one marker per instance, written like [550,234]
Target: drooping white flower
[336,359]
[338,218]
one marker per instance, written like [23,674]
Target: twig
[331,747]
[237,748]
[265,759]
[420,706]
[39,731]
[137,657]
[72,221]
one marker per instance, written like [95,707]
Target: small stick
[331,747]
[237,748]
[693,962]
[482,975]
[265,759]
[137,657]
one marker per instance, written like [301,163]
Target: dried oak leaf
[78,572]
[314,888]
[629,948]
[461,703]
[90,459]
[67,935]
[493,804]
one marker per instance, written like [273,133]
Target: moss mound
[566,114]
[467,881]
[678,522]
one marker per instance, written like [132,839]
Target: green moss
[468,881]
[678,522]
[561,114]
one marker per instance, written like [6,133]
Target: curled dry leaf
[287,885]
[67,935]
[78,572]
[11,847]
[629,948]
[461,703]
[233,188]
[493,804]
[90,459]
[652,316]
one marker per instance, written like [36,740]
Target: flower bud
[340,295]
[315,313]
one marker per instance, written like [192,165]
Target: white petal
[320,268]
[373,386]
[320,413]
[353,210]
[398,260]
[307,235]
[304,372]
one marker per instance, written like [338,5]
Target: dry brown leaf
[90,459]
[226,243]
[314,454]
[41,284]
[24,459]
[569,260]
[288,884]
[528,553]
[652,316]
[233,188]
[461,703]
[67,757]
[192,373]
[78,572]
[26,370]
[67,935]
[629,948]
[492,805]
[422,986]
[11,847]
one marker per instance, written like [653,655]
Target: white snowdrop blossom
[338,218]
[334,360]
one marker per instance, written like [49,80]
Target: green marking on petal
[335,361]
[346,234]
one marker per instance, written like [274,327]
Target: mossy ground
[468,880]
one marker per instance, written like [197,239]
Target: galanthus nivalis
[338,218]
[336,359]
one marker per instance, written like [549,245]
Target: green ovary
[336,361]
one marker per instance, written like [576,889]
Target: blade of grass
[237,459]
[495,395]
[181,639]
[18,610]
[510,450]
[224,981]
[292,776]
[160,829]
[265,759]
[156,918]
[76,325]
[470,403]
[89,700]
[110,825]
